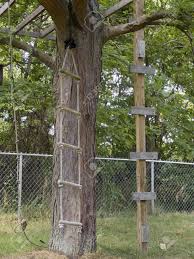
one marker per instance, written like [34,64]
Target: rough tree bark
[69,22]
[88,58]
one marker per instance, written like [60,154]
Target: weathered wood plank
[32,34]
[141,48]
[5,6]
[115,8]
[144,155]
[143,196]
[29,18]
[141,69]
[47,31]
[145,233]
[146,111]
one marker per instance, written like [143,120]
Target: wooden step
[144,155]
[62,183]
[143,196]
[70,74]
[140,110]
[62,145]
[71,223]
[64,108]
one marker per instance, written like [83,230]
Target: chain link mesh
[116,212]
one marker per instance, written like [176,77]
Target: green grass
[116,235]
[12,239]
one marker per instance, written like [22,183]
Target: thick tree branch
[43,57]
[79,11]
[58,10]
[113,31]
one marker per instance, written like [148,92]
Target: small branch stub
[142,70]
[144,155]
[143,196]
[145,111]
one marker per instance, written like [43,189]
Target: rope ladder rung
[72,223]
[62,145]
[64,108]
[62,183]
[70,74]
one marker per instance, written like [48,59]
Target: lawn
[116,236]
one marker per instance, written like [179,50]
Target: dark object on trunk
[70,44]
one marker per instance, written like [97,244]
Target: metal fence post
[152,186]
[20,167]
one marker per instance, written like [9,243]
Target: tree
[88,56]
[70,19]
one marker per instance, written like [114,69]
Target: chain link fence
[26,185]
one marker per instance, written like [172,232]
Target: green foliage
[171,52]
[168,49]
[34,109]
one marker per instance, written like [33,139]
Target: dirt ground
[50,255]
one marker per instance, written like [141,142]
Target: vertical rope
[11,76]
[12,86]
[78,109]
[61,141]
[78,127]
[61,150]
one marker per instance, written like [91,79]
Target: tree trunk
[70,240]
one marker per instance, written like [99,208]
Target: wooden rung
[29,18]
[68,73]
[146,111]
[143,196]
[66,222]
[47,31]
[62,183]
[6,6]
[145,232]
[116,7]
[62,145]
[63,108]
[144,155]
[141,48]
[142,70]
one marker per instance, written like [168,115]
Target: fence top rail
[151,161]
[25,154]
[101,158]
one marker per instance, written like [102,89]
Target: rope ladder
[61,145]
